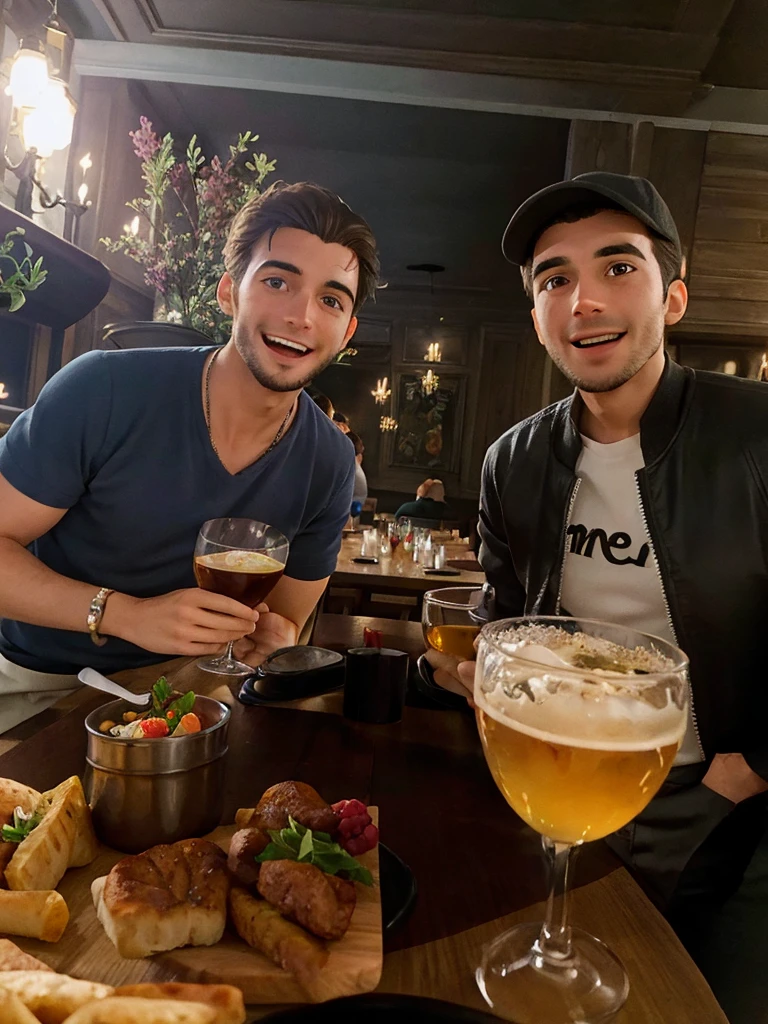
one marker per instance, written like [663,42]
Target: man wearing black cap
[643,500]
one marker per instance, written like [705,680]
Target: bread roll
[226,1000]
[13,1011]
[52,997]
[36,914]
[170,896]
[125,1010]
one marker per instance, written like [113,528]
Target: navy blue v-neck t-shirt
[120,440]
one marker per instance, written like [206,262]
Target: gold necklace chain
[275,439]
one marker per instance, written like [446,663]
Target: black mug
[375,685]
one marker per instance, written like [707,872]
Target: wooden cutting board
[84,951]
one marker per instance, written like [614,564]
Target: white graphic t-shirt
[610,571]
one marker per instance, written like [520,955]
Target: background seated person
[360,492]
[429,503]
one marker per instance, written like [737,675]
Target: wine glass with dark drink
[242,559]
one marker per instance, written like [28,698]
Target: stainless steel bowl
[145,792]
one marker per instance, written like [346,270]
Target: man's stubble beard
[259,374]
[652,339]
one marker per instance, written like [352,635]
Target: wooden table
[399,571]
[478,867]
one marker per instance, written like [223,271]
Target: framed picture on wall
[429,423]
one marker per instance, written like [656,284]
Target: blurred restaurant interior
[435,125]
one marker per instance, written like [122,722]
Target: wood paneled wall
[728,278]
[109,109]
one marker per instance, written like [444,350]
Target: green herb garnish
[302,844]
[21,827]
[174,711]
[161,691]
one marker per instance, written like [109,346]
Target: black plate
[398,890]
[374,1007]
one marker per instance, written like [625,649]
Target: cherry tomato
[154,728]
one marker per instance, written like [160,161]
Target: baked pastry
[64,838]
[52,997]
[13,1011]
[170,896]
[128,1010]
[263,926]
[226,1000]
[14,959]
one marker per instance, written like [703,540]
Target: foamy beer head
[579,730]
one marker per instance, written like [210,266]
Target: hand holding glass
[451,619]
[242,559]
[580,722]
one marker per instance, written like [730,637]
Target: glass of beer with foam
[580,722]
[242,559]
[451,618]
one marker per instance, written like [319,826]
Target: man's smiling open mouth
[598,339]
[285,346]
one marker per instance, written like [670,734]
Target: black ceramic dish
[293,673]
[427,687]
[398,890]
[374,1007]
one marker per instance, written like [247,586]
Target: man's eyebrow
[339,287]
[553,261]
[280,265]
[623,249]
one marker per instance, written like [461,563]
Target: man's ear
[677,302]
[226,293]
[536,326]
[351,328]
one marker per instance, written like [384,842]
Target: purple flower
[145,142]
[177,176]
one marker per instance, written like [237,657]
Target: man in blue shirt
[106,481]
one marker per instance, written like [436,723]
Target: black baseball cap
[635,195]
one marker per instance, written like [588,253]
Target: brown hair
[323,403]
[307,207]
[357,441]
[668,256]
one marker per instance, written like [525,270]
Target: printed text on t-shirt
[583,542]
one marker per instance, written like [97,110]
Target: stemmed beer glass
[580,722]
[242,559]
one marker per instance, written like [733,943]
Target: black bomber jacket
[704,497]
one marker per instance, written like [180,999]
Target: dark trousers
[704,863]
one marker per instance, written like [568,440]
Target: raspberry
[349,808]
[356,833]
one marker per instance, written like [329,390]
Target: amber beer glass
[242,559]
[451,619]
[580,722]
